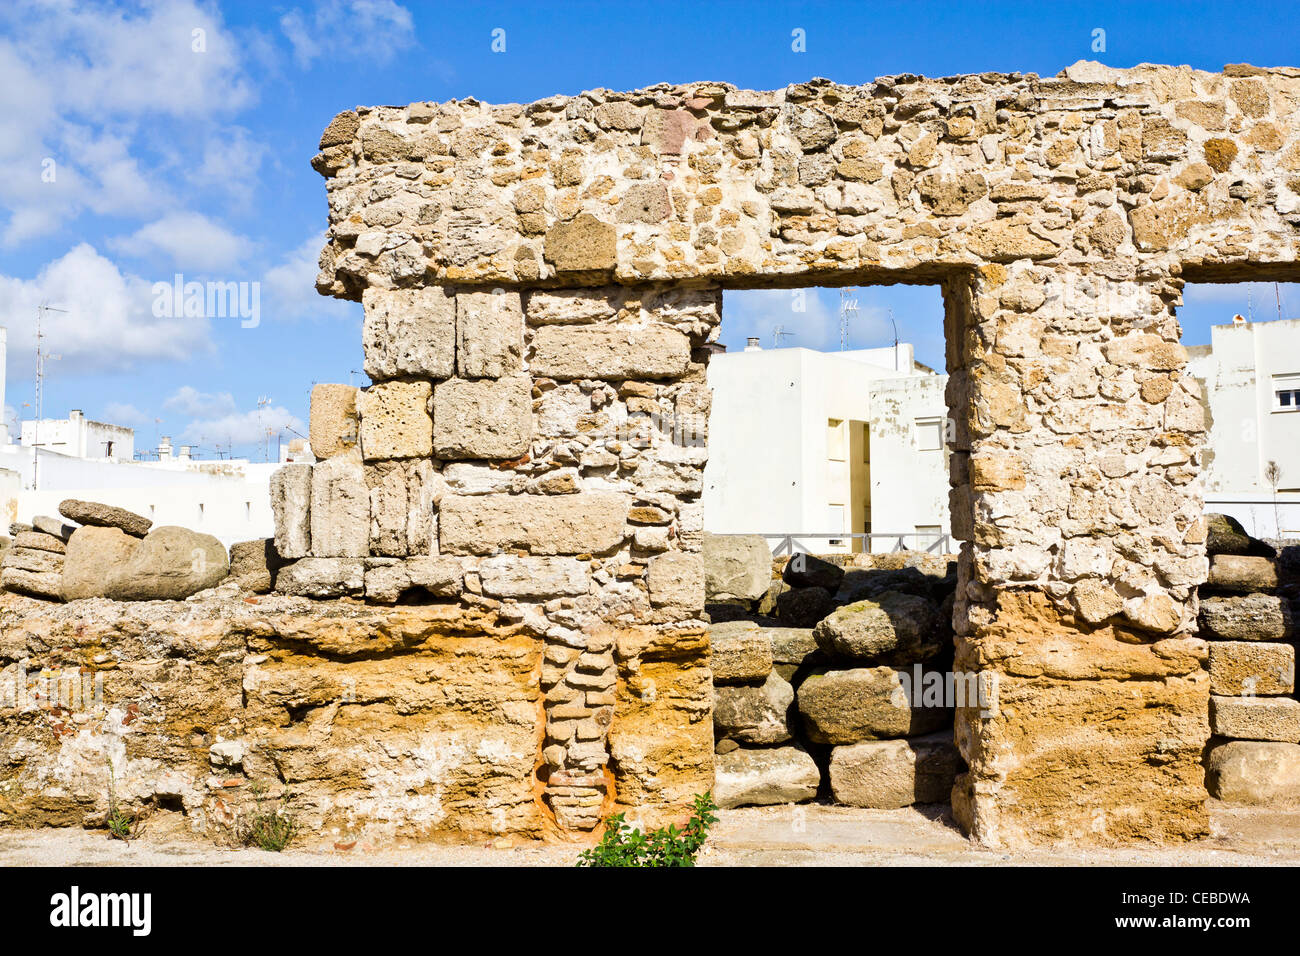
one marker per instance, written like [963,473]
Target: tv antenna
[848,307]
[895,325]
[777,334]
[41,358]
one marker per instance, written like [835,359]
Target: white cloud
[190,240]
[374,30]
[124,413]
[231,161]
[289,287]
[188,400]
[242,428]
[109,323]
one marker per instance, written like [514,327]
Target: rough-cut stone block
[675,581]
[1246,669]
[94,555]
[401,507]
[40,584]
[609,352]
[409,332]
[810,571]
[514,577]
[322,577]
[52,527]
[865,703]
[571,306]
[395,421]
[40,541]
[253,565]
[592,522]
[291,508]
[486,418]
[754,714]
[736,566]
[170,564]
[1250,617]
[104,516]
[803,607]
[1256,718]
[441,577]
[888,774]
[1242,573]
[35,560]
[739,652]
[891,628]
[1255,773]
[334,424]
[340,508]
[745,778]
[489,334]
[1225,535]
[584,244]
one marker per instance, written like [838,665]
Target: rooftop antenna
[1277,296]
[263,402]
[1250,305]
[895,325]
[41,358]
[777,333]
[848,306]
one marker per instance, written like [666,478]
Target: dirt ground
[812,835]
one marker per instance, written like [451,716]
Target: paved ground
[755,836]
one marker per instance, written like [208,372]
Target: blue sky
[133,148]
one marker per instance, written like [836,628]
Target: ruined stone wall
[535,276]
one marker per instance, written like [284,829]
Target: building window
[1286,393]
[835,439]
[929,434]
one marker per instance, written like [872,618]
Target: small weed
[625,845]
[120,823]
[271,830]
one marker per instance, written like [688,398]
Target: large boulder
[1250,617]
[1225,535]
[170,564]
[804,607]
[754,714]
[1242,574]
[889,774]
[94,555]
[104,516]
[739,653]
[736,566]
[1255,773]
[892,628]
[865,703]
[808,571]
[762,777]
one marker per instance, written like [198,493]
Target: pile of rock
[1248,616]
[827,695]
[109,552]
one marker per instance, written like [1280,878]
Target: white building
[79,437]
[1250,375]
[827,443]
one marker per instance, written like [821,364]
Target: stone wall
[532,274]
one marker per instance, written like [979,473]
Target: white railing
[793,543]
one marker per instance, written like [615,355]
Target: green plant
[625,845]
[271,830]
[119,822]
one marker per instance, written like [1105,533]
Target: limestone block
[1255,773]
[340,508]
[736,566]
[889,774]
[1256,718]
[739,652]
[584,244]
[1245,668]
[1242,573]
[754,714]
[675,580]
[891,628]
[170,564]
[1248,617]
[441,577]
[409,332]
[322,577]
[609,352]
[865,703]
[291,508]
[334,426]
[34,560]
[104,516]
[588,522]
[395,420]
[543,577]
[570,306]
[489,334]
[748,778]
[488,418]
[253,564]
[94,556]
[40,541]
[52,527]
[401,507]
[41,584]
[1225,535]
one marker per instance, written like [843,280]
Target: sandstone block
[898,627]
[340,508]
[1248,617]
[889,774]
[334,426]
[322,577]
[291,508]
[441,577]
[170,564]
[754,714]
[253,564]
[543,577]
[609,352]
[39,584]
[736,566]
[1225,535]
[34,560]
[409,332]
[1242,573]
[739,653]
[675,580]
[1256,718]
[584,244]
[747,778]
[104,516]
[844,707]
[489,334]
[52,527]
[1255,773]
[401,507]
[1246,669]
[588,522]
[395,420]
[571,306]
[94,555]
[40,541]
[488,418]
